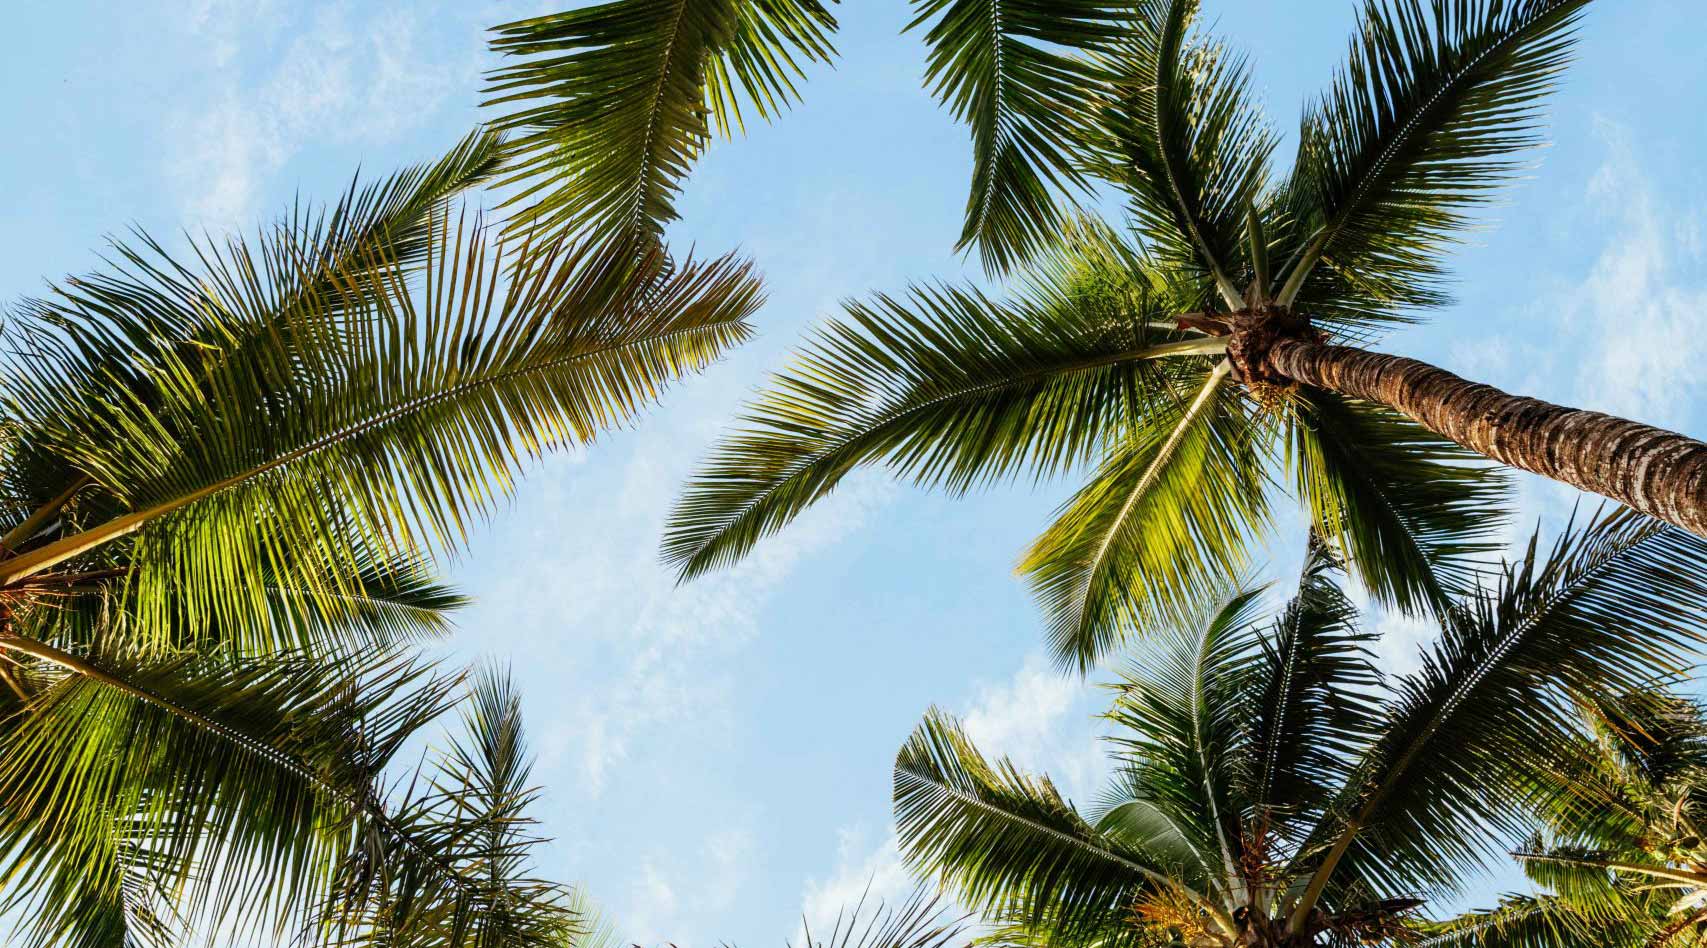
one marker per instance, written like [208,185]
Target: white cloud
[674,629]
[1645,298]
[1027,718]
[868,866]
[333,77]
[674,902]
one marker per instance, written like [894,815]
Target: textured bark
[1660,473]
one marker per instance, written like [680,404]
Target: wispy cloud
[333,75]
[1644,300]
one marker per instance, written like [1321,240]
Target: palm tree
[1622,841]
[224,477]
[1270,789]
[1233,333]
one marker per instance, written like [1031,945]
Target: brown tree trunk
[1660,473]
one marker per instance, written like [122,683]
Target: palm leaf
[472,819]
[1445,784]
[608,105]
[1161,526]
[329,435]
[1183,139]
[1007,68]
[990,832]
[947,387]
[1420,124]
[1413,512]
[1313,708]
[1181,716]
[1527,921]
[127,771]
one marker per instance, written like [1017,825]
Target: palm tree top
[1271,788]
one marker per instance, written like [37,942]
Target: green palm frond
[946,386]
[330,434]
[1183,139]
[1415,514]
[608,106]
[223,784]
[1420,124]
[989,832]
[471,819]
[1313,700]
[1528,921]
[1161,527]
[1609,610]
[1016,72]
[918,921]
[1180,719]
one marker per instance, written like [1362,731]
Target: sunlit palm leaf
[1528,921]
[330,435]
[1181,722]
[1161,527]
[947,387]
[228,784]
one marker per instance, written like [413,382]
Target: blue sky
[716,757]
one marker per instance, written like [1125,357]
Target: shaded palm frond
[1016,72]
[1420,124]
[1182,137]
[608,106]
[921,920]
[1485,720]
[1415,514]
[1313,701]
[460,870]
[991,832]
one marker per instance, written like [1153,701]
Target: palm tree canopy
[226,477]
[1270,788]
[1139,358]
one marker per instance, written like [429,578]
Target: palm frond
[1161,527]
[1183,139]
[946,386]
[471,819]
[1420,124]
[1016,72]
[1415,514]
[919,921]
[1527,921]
[1313,701]
[330,435]
[1446,783]
[989,832]
[608,106]
[1181,715]
[130,774]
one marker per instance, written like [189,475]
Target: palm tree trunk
[1657,472]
